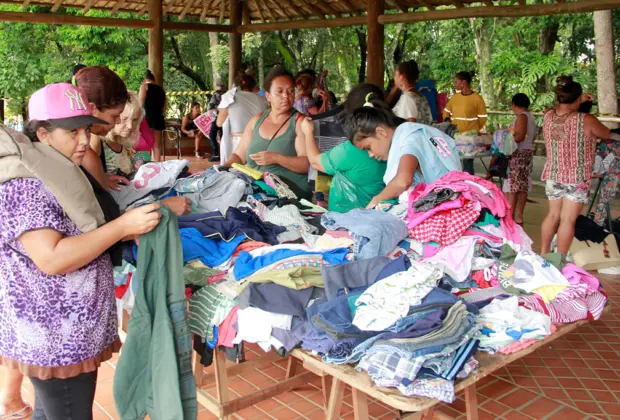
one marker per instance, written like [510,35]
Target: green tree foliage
[523,55]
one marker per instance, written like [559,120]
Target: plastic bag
[349,195]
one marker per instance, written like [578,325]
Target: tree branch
[184,69]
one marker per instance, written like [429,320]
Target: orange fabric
[249,246]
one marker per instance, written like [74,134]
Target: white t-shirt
[412,105]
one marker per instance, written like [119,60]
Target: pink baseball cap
[63,105]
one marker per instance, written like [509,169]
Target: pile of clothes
[407,292]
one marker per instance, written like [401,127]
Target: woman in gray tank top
[273,140]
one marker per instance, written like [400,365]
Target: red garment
[217,277]
[447,227]
[248,246]
[478,277]
[119,291]
[226,332]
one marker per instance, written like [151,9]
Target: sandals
[25,411]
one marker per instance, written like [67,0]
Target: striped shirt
[208,308]
[467,112]
[570,153]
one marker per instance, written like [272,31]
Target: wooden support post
[234,41]
[291,368]
[156,41]
[605,63]
[471,402]
[360,405]
[376,64]
[335,399]
[221,378]
[326,382]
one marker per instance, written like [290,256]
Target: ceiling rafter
[203,14]
[188,6]
[119,5]
[426,4]
[56,5]
[25,4]
[143,9]
[300,10]
[222,10]
[281,9]
[331,10]
[320,13]
[89,4]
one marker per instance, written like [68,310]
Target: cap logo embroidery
[76,103]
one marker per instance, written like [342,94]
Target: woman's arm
[312,150]
[482,113]
[402,181]
[298,164]
[595,128]
[92,164]
[520,133]
[142,93]
[240,153]
[221,117]
[56,254]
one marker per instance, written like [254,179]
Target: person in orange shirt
[466,109]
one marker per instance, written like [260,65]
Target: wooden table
[335,377]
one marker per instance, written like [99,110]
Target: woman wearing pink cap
[57,310]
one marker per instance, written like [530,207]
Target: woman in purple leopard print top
[57,309]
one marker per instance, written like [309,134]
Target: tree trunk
[1,111]
[261,62]
[215,54]
[361,37]
[547,38]
[605,65]
[390,52]
[482,37]
[186,70]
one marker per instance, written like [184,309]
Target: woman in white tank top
[519,180]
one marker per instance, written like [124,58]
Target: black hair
[77,68]
[410,70]
[274,73]
[149,75]
[521,100]
[246,82]
[31,127]
[195,104]
[465,76]
[364,121]
[360,94]
[567,91]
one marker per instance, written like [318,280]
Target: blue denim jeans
[64,399]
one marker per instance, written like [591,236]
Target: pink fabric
[498,205]
[478,277]
[483,235]
[339,234]
[146,140]
[590,306]
[447,227]
[225,332]
[522,345]
[577,275]
[413,219]
[430,250]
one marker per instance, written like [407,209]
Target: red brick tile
[555,362]
[269,405]
[288,397]
[584,373]
[258,379]
[206,415]
[577,363]
[316,415]
[518,398]
[589,407]
[611,409]
[283,414]
[485,415]
[250,413]
[111,410]
[540,371]
[571,383]
[498,389]
[444,409]
[541,407]
[562,372]
[548,381]
[605,374]
[533,361]
[377,410]
[613,385]
[516,415]
[588,355]
[242,387]
[495,407]
[526,382]
[104,393]
[303,406]
[570,354]
[603,396]
[568,413]
[593,384]
[556,393]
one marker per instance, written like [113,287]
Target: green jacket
[154,373]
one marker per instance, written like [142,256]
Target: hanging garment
[154,373]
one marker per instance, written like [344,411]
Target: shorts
[579,193]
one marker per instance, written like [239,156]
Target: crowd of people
[62,228]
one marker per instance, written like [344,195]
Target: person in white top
[519,180]
[237,108]
[412,105]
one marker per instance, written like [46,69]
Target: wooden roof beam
[203,14]
[25,4]
[267,10]
[401,5]
[277,6]
[303,24]
[189,5]
[320,13]
[349,5]
[56,5]
[502,11]
[426,4]
[119,4]
[300,10]
[326,6]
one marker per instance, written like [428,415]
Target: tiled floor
[576,377]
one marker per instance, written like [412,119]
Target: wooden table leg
[471,402]
[326,382]
[291,368]
[221,377]
[360,405]
[429,413]
[335,400]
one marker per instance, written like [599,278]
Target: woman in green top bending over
[357,176]
[273,141]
